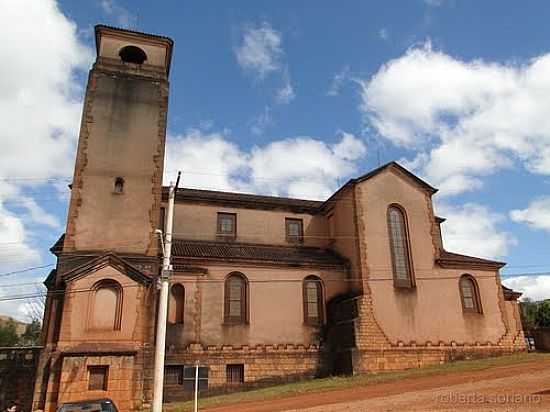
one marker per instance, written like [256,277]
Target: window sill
[225,238]
[234,325]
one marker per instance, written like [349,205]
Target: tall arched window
[313,300]
[236,298]
[400,249]
[469,294]
[177,304]
[106,304]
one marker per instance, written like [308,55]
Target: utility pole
[160,344]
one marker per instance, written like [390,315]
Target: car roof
[88,401]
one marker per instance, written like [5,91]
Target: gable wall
[75,325]
[432,311]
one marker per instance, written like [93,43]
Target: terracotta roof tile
[297,255]
[449,258]
[244,200]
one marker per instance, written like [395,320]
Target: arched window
[236,298]
[399,245]
[132,54]
[177,304]
[313,300]
[106,303]
[469,294]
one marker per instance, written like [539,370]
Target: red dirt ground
[502,388]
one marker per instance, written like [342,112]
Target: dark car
[91,405]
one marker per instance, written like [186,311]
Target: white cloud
[260,50]
[466,119]
[533,287]
[286,93]
[338,81]
[302,167]
[260,53]
[122,16]
[40,104]
[207,161]
[262,122]
[536,215]
[473,229]
[384,34]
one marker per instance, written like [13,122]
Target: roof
[99,27]
[510,294]
[227,251]
[252,201]
[231,199]
[108,259]
[455,260]
[57,247]
[423,184]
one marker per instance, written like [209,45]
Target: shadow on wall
[338,335]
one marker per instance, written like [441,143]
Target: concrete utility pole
[160,344]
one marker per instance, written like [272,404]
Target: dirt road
[519,387]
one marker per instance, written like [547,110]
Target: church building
[264,289]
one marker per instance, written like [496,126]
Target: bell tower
[116,190]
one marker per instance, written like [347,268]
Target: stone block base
[397,358]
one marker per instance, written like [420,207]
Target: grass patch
[333,383]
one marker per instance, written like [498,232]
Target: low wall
[17,375]
[542,339]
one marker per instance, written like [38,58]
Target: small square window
[235,374]
[97,378]
[227,226]
[294,230]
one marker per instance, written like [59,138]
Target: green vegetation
[9,335]
[535,314]
[333,383]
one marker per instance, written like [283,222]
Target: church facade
[264,289]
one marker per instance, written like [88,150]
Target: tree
[528,313]
[8,334]
[542,317]
[31,336]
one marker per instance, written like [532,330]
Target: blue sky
[293,98]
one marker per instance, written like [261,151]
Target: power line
[26,270]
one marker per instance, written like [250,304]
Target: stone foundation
[399,358]
[263,365]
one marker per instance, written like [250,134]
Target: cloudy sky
[293,98]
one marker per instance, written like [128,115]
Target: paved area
[520,387]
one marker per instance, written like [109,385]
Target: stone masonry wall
[17,374]
[263,364]
[120,386]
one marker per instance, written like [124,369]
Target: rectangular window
[189,378]
[173,375]
[234,374]
[294,230]
[97,378]
[227,226]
